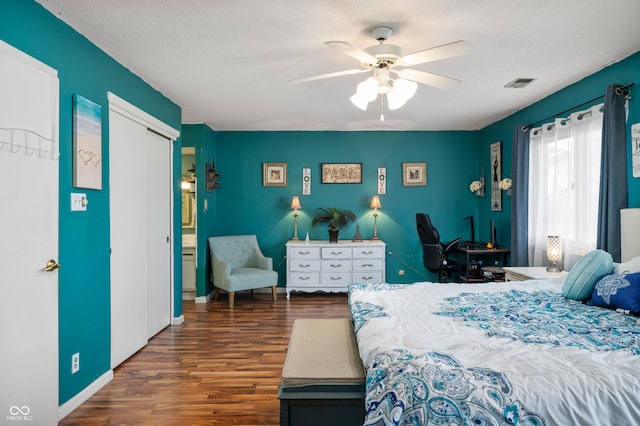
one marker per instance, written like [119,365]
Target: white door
[28,239]
[140,204]
[127,186]
[158,232]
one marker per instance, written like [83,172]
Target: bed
[494,354]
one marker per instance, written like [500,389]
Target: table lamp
[295,205]
[554,252]
[375,205]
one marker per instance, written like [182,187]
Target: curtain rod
[619,91]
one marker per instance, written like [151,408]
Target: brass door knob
[51,266]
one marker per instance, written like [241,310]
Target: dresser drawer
[367,277]
[336,278]
[336,252]
[302,278]
[336,265]
[367,264]
[304,253]
[304,265]
[368,252]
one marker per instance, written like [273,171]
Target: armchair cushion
[238,264]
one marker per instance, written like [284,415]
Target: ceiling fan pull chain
[381,108]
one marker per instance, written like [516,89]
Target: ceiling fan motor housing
[385,53]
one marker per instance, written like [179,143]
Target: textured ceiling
[227,63]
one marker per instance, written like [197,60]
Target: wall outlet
[401,272]
[75,363]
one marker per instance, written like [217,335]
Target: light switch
[79,202]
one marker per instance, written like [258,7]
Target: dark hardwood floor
[221,367]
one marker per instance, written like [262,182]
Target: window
[564,185]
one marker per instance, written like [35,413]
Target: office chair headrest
[426,231]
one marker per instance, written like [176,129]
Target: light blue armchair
[238,264]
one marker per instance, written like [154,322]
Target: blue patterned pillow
[618,291]
[585,274]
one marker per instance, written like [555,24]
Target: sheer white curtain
[564,182]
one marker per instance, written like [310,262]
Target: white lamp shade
[375,202]
[368,89]
[295,203]
[359,101]
[402,91]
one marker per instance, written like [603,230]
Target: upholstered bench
[323,378]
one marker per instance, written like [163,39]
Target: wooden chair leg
[216,294]
[231,294]
[275,293]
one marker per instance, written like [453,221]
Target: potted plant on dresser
[336,219]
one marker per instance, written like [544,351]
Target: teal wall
[244,205]
[203,139]
[84,290]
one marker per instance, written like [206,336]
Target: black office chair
[435,254]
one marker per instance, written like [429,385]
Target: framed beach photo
[414,174]
[341,172]
[274,174]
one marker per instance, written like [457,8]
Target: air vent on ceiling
[518,83]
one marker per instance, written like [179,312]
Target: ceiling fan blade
[429,79]
[456,48]
[328,75]
[354,52]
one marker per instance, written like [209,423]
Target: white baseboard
[208,297]
[204,299]
[65,409]
[177,320]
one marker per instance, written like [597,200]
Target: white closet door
[129,215]
[158,232]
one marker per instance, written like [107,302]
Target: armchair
[238,264]
[434,252]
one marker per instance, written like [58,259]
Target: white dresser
[324,266]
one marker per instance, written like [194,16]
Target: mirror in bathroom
[188,188]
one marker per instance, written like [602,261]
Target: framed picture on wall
[414,174]
[496,177]
[341,172]
[274,174]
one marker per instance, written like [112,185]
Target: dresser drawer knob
[335,278]
[333,265]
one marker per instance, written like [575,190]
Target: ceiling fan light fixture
[368,89]
[402,91]
[359,101]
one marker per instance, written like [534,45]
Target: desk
[467,253]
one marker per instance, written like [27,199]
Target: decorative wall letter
[382,180]
[306,181]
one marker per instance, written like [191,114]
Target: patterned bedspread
[494,354]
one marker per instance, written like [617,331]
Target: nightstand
[523,273]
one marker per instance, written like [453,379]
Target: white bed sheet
[564,385]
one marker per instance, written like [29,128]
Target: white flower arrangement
[475,186]
[505,184]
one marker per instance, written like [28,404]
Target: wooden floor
[221,367]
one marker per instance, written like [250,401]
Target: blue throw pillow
[618,291]
[585,274]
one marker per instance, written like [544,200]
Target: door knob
[51,266]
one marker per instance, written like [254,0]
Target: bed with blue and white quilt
[511,353]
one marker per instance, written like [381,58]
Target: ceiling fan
[383,59]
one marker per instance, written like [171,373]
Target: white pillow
[628,267]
